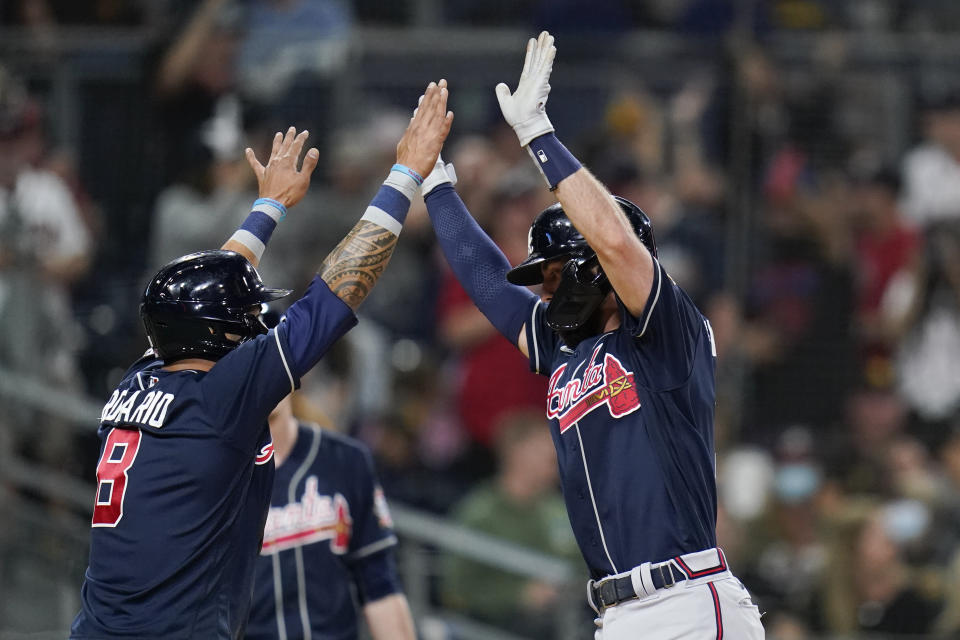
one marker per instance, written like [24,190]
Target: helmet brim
[528,272]
[267,295]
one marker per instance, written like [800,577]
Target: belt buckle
[600,600]
[599,596]
[666,585]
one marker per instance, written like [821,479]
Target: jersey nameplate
[608,384]
[150,410]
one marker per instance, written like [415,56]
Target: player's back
[180,507]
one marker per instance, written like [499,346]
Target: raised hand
[280,179]
[428,129]
[526,108]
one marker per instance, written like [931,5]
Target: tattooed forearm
[354,266]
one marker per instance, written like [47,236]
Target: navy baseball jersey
[631,414]
[328,535]
[184,482]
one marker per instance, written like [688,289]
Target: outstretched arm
[586,202]
[355,265]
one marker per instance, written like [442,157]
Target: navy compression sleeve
[478,263]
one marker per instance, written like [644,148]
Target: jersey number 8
[119,452]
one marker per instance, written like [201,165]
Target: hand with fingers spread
[280,179]
[525,109]
[422,141]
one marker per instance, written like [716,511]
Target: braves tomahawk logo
[608,384]
[265,454]
[314,518]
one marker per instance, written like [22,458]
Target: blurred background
[800,160]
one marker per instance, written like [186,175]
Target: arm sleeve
[313,323]
[370,556]
[668,330]
[478,263]
[376,576]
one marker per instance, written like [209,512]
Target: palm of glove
[525,109]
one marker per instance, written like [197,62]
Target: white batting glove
[441,174]
[525,110]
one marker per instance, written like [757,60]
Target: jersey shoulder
[147,362]
[341,447]
[340,441]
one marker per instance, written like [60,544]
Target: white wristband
[403,183]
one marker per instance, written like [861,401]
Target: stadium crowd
[828,265]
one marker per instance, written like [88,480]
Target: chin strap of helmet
[580,293]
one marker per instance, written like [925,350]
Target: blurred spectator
[417,443]
[481,398]
[788,555]
[931,171]
[214,192]
[923,307]
[872,589]
[688,245]
[285,38]
[885,245]
[947,526]
[522,505]
[946,509]
[800,304]
[195,79]
[858,453]
[44,249]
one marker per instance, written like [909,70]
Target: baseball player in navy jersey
[630,362]
[186,462]
[328,536]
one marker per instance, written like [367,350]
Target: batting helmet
[552,237]
[194,301]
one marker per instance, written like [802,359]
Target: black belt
[616,590]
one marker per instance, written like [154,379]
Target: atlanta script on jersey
[328,533]
[631,415]
[184,483]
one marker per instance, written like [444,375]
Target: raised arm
[281,185]
[355,265]
[325,311]
[587,203]
[479,265]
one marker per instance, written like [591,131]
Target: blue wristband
[260,225]
[272,203]
[408,171]
[553,159]
[256,230]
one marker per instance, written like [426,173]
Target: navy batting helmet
[194,301]
[582,288]
[553,236]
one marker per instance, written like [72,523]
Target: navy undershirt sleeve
[375,576]
[478,263]
[313,324]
